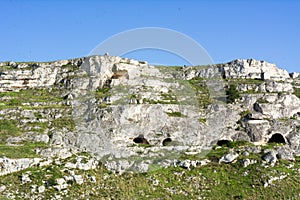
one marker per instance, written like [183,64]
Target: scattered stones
[246,162]
[78,179]
[41,138]
[61,184]
[25,178]
[272,179]
[92,179]
[187,164]
[91,163]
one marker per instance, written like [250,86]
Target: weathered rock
[253,149]
[229,158]
[254,69]
[285,153]
[41,189]
[2,188]
[246,162]
[41,138]
[8,165]
[257,129]
[78,179]
[61,184]
[280,106]
[294,75]
[270,157]
[143,105]
[25,178]
[56,152]
[294,141]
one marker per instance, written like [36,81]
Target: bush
[232,93]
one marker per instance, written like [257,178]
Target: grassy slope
[213,181]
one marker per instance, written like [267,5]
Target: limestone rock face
[143,101]
[254,69]
[257,129]
[279,106]
[121,108]
[8,165]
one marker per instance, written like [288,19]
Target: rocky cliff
[130,116]
[114,107]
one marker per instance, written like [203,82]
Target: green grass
[245,81]
[25,150]
[64,122]
[297,92]
[15,99]
[213,181]
[202,120]
[201,91]
[262,100]
[245,113]
[8,128]
[232,93]
[175,114]
[5,68]
[69,66]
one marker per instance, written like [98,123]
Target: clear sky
[44,30]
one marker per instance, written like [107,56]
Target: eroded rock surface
[123,110]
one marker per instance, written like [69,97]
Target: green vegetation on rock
[25,150]
[297,92]
[8,128]
[232,93]
[212,181]
[175,114]
[201,91]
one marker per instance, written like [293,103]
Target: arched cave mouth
[140,140]
[167,141]
[277,138]
[223,143]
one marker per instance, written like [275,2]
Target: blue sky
[50,30]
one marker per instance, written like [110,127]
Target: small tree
[232,93]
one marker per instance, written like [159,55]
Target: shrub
[232,93]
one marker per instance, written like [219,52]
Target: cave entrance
[140,140]
[277,138]
[223,143]
[167,141]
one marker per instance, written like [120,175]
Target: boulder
[229,158]
[257,129]
[285,153]
[270,157]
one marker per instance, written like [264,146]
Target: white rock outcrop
[254,69]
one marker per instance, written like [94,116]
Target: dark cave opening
[277,138]
[166,141]
[140,140]
[223,142]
